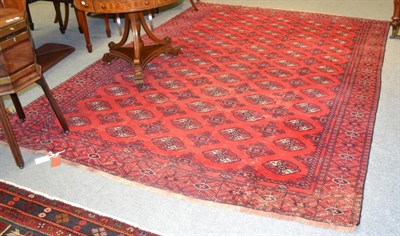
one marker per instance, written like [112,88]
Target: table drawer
[106,6]
[15,54]
[165,2]
[14,39]
[122,6]
[12,28]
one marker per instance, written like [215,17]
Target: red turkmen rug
[268,110]
[23,212]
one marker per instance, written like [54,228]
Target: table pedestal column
[139,54]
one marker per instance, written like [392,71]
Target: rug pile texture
[266,111]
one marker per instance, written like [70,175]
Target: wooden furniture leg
[194,5]
[396,20]
[82,21]
[18,106]
[84,28]
[107,25]
[7,126]
[63,23]
[42,83]
[10,135]
[28,13]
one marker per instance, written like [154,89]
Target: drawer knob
[103,6]
[146,3]
[84,4]
[12,28]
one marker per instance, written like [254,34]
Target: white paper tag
[48,157]
[42,159]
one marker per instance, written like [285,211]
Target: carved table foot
[174,51]
[138,75]
[108,57]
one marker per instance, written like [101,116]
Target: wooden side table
[396,20]
[19,69]
[138,55]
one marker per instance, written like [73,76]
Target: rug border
[167,193]
[102,214]
[292,10]
[374,117]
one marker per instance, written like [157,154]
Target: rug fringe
[170,194]
[210,203]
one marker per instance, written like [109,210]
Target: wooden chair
[63,21]
[19,69]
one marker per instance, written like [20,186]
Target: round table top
[119,6]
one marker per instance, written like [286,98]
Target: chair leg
[107,25]
[28,12]
[53,104]
[10,136]
[66,17]
[194,5]
[18,106]
[76,15]
[63,23]
[82,22]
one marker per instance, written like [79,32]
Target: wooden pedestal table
[139,54]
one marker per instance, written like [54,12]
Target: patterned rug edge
[169,194]
[78,206]
[209,203]
[199,4]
